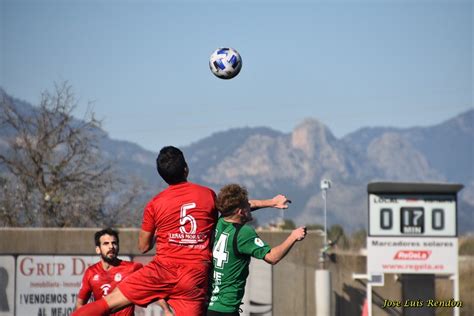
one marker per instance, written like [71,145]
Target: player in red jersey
[181,220]
[101,278]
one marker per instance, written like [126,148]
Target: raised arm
[146,236]
[278,201]
[145,241]
[279,252]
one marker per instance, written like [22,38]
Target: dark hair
[171,165]
[106,231]
[230,198]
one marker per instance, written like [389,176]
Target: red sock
[97,308]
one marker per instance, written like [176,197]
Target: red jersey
[182,217]
[99,282]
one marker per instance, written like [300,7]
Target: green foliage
[340,240]
[466,246]
[335,232]
[314,227]
[359,239]
[288,224]
[337,237]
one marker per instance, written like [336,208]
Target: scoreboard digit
[412,220]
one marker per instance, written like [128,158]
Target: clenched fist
[299,233]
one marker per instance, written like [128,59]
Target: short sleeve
[148,223]
[249,243]
[85,290]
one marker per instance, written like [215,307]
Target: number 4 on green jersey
[220,252]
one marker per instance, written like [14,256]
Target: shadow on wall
[351,305]
[354,303]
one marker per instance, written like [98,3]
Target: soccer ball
[225,63]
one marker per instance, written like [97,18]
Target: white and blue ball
[225,63]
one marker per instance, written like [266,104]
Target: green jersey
[234,245]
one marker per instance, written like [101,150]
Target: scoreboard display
[412,229]
[430,210]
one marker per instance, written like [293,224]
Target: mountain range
[268,162]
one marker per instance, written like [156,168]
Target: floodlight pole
[323,292]
[325,186]
[325,218]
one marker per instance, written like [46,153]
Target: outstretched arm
[278,201]
[279,252]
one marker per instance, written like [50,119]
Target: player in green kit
[235,243]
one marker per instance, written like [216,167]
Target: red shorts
[184,285]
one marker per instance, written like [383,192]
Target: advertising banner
[412,255]
[48,285]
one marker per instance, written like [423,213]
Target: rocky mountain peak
[311,135]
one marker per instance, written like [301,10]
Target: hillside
[268,162]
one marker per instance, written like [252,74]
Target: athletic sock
[97,308]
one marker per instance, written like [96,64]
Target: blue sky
[144,64]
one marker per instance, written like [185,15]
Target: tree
[337,237]
[466,246]
[359,239]
[315,227]
[288,224]
[55,174]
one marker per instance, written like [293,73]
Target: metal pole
[323,275]
[369,298]
[456,293]
[325,219]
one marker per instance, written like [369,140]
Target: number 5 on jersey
[220,253]
[185,218]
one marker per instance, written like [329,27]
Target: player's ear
[97,250]
[186,171]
